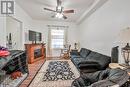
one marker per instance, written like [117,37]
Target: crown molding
[96,5]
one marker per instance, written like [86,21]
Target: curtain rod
[57,26]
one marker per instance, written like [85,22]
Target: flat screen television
[35,36]
[38,36]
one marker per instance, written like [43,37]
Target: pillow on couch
[84,52]
[78,60]
[89,64]
[74,52]
[101,59]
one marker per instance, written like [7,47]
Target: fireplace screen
[37,53]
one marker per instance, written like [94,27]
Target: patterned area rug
[55,73]
[58,70]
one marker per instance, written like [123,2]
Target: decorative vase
[75,45]
[10,39]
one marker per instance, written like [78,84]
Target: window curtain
[50,27]
[49,42]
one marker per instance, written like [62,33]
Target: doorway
[13,34]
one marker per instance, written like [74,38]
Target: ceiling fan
[59,11]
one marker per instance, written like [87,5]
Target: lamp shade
[124,35]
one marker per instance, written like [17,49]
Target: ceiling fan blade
[64,17]
[49,9]
[68,11]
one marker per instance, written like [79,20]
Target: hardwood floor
[33,69]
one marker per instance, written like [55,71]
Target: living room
[99,26]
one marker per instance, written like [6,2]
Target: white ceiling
[35,8]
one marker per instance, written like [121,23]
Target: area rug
[55,73]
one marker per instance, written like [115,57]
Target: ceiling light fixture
[59,7]
[59,12]
[59,15]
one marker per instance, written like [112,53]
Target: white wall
[2,31]
[100,31]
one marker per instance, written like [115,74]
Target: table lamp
[126,53]
[125,38]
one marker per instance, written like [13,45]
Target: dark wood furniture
[35,52]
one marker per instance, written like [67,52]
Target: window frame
[56,38]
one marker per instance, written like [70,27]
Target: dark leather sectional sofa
[89,61]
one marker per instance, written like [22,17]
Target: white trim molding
[97,4]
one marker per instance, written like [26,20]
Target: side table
[116,65]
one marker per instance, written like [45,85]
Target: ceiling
[35,8]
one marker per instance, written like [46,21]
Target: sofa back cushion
[101,59]
[84,52]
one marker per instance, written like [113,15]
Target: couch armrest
[74,52]
[104,83]
[88,64]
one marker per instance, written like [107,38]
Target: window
[57,38]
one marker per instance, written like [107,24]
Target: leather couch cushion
[84,52]
[81,82]
[74,52]
[104,78]
[75,56]
[78,60]
[101,59]
[118,76]
[88,65]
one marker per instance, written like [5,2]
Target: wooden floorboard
[33,69]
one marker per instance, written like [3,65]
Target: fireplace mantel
[35,52]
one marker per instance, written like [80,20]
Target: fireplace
[37,53]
